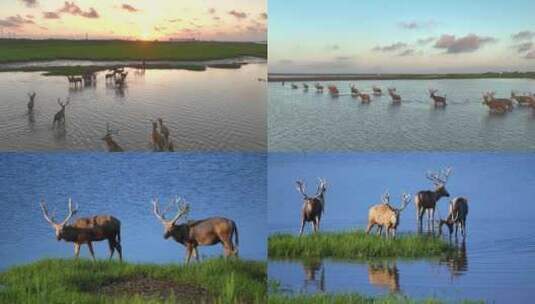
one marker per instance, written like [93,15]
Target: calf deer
[313,207]
[31,103]
[440,101]
[427,200]
[110,143]
[59,117]
[333,90]
[458,211]
[384,215]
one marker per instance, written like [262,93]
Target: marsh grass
[355,245]
[71,281]
[351,299]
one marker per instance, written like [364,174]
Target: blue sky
[343,36]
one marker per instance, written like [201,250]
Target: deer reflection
[384,274]
[457,261]
[312,269]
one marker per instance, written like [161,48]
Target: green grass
[17,50]
[80,70]
[354,245]
[71,281]
[350,299]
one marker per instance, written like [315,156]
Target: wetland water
[308,121]
[217,109]
[497,262]
[216,184]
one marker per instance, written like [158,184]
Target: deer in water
[120,81]
[31,103]
[294,86]
[59,117]
[305,87]
[75,80]
[500,105]
[333,90]
[457,213]
[523,100]
[354,91]
[313,206]
[440,101]
[110,75]
[319,88]
[396,98]
[87,230]
[163,129]
[158,141]
[110,143]
[377,91]
[205,232]
[364,98]
[386,216]
[427,200]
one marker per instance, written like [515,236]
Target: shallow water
[308,121]
[216,109]
[230,185]
[496,264]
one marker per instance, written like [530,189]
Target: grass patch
[355,245]
[19,50]
[351,299]
[84,281]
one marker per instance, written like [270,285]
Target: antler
[45,213]
[110,131]
[440,178]
[72,211]
[156,210]
[385,198]
[183,209]
[405,199]
[321,185]
[301,187]
[59,102]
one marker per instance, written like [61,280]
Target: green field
[84,281]
[19,50]
[351,299]
[354,245]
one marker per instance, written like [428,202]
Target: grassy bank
[350,299]
[19,50]
[354,245]
[71,281]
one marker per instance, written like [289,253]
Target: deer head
[32,96]
[58,227]
[169,225]
[63,105]
[440,179]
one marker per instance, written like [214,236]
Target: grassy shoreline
[354,245]
[84,281]
[352,299]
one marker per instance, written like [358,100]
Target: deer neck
[70,233]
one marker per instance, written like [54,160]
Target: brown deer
[59,117]
[205,232]
[427,200]
[313,207]
[158,142]
[31,103]
[110,143]
[110,75]
[384,215]
[333,90]
[396,98]
[364,98]
[500,105]
[87,230]
[384,274]
[163,129]
[440,101]
[523,100]
[319,88]
[377,91]
[458,211]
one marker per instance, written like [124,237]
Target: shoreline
[343,77]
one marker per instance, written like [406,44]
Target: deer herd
[385,216]
[495,105]
[191,234]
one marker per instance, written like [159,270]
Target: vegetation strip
[352,299]
[355,245]
[84,281]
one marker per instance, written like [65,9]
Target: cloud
[15,21]
[50,15]
[468,43]
[159,28]
[530,55]
[407,52]
[238,15]
[523,35]
[73,9]
[523,47]
[263,16]
[175,20]
[216,18]
[129,8]
[211,11]
[425,41]
[390,48]
[30,3]
[414,25]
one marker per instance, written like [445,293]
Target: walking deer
[158,142]
[427,200]
[163,129]
[59,117]
[294,86]
[110,143]
[87,230]
[333,90]
[319,88]
[313,206]
[31,103]
[523,100]
[440,101]
[396,98]
[386,216]
[205,232]
[377,91]
[457,213]
[499,105]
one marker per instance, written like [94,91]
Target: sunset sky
[381,36]
[229,20]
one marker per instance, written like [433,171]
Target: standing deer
[395,97]
[313,207]
[205,232]
[110,143]
[59,117]
[525,100]
[354,91]
[305,87]
[75,80]
[158,143]
[319,88]
[294,86]
[31,103]
[458,211]
[333,90]
[110,75]
[163,129]
[87,230]
[427,200]
[377,91]
[384,215]
[440,101]
[500,105]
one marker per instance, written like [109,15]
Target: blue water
[497,263]
[232,185]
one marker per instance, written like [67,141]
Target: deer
[384,215]
[87,230]
[31,103]
[59,117]
[333,90]
[163,129]
[110,75]
[377,91]
[440,101]
[305,87]
[364,98]
[75,80]
[110,143]
[500,105]
[205,232]
[313,206]
[319,87]
[427,200]
[395,97]
[354,91]
[294,86]
[457,213]
[158,142]
[523,100]
[119,81]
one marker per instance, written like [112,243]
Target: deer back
[383,214]
[312,207]
[207,231]
[94,228]
[426,199]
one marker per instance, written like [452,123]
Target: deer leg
[302,227]
[189,251]
[369,227]
[90,246]
[76,250]
[317,220]
[112,247]
[196,254]
[379,230]
[119,251]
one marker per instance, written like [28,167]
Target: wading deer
[523,100]
[158,142]
[75,80]
[364,98]
[458,211]
[31,103]
[87,230]
[386,216]
[427,200]
[305,87]
[354,91]
[313,206]
[59,117]
[377,91]
[110,143]
[120,81]
[500,105]
[109,75]
[333,90]
[319,88]
[440,101]
[163,129]
[395,97]
[294,86]
[205,232]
